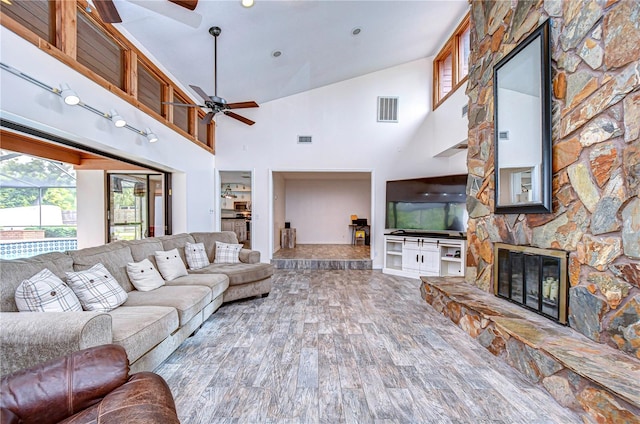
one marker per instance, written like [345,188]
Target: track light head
[151,136]
[118,120]
[69,96]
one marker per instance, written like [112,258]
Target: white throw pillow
[44,292]
[170,264]
[227,253]
[144,276]
[196,255]
[97,289]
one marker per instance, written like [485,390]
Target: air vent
[503,135]
[304,139]
[387,109]
[465,110]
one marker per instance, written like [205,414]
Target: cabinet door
[241,231]
[430,260]
[227,225]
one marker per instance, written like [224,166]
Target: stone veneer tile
[631,229]
[622,34]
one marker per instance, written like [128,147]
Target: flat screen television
[430,206]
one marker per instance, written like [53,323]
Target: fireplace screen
[534,278]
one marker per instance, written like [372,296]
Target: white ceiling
[314,37]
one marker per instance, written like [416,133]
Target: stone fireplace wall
[596,156]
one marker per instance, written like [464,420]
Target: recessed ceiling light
[276,53]
[356,31]
[247,3]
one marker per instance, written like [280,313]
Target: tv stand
[413,255]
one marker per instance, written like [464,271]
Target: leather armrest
[55,390]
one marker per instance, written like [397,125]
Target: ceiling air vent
[304,139]
[387,109]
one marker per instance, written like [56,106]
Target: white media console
[414,255]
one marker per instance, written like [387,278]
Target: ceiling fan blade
[239,118]
[188,4]
[200,92]
[242,105]
[207,118]
[107,11]
[171,11]
[182,104]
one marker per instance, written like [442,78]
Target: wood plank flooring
[345,347]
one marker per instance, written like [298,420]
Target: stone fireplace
[533,278]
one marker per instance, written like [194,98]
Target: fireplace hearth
[533,278]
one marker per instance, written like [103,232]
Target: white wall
[341,118]
[524,122]
[279,199]
[92,220]
[30,105]
[320,209]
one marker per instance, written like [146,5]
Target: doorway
[236,204]
[135,206]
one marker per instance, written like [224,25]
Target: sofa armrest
[29,338]
[249,256]
[57,389]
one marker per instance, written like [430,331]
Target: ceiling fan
[109,13]
[214,103]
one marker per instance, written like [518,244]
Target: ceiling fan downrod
[215,31]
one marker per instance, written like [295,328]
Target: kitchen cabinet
[237,225]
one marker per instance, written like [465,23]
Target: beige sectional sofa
[150,325]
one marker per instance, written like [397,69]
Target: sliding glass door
[136,206]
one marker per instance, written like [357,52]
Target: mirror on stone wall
[522,119]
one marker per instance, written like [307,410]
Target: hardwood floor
[345,347]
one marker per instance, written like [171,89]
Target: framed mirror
[522,126]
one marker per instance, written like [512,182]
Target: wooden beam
[23,144]
[106,164]
[66,27]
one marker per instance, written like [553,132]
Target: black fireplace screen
[534,278]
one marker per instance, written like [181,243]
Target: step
[322,264]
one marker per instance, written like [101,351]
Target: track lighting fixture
[151,136]
[118,120]
[68,95]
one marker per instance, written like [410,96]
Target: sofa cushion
[139,328]
[144,276]
[96,289]
[14,271]
[170,264]
[239,273]
[177,241]
[145,249]
[218,283]
[45,292]
[114,257]
[196,255]
[227,253]
[187,300]
[209,241]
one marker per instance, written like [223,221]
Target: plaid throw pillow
[196,255]
[97,289]
[44,292]
[227,253]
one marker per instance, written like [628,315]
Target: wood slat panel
[35,15]
[149,89]
[202,130]
[181,114]
[99,53]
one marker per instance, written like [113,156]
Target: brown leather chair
[88,386]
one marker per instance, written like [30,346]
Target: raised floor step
[324,264]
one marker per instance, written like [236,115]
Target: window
[34,15]
[98,52]
[451,65]
[149,89]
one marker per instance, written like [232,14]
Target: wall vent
[465,110]
[304,139]
[387,109]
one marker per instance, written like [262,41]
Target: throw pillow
[97,289]
[44,292]
[196,255]
[170,264]
[144,276]
[227,253]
